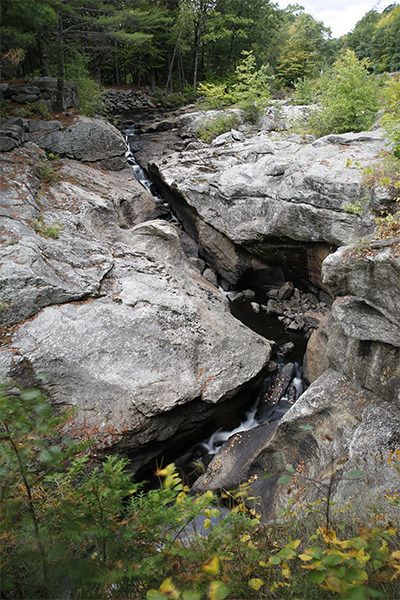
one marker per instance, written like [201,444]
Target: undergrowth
[73,527]
[218,125]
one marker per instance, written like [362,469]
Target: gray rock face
[13,133]
[375,278]
[330,432]
[89,140]
[127,329]
[266,188]
[85,208]
[349,418]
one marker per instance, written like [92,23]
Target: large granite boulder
[112,310]
[88,139]
[270,200]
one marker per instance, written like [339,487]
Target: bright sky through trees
[340,15]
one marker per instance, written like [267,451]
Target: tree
[360,39]
[304,50]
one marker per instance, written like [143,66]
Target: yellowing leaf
[395,555]
[169,589]
[218,590]
[256,584]
[245,539]
[333,584]
[328,535]
[211,566]
[305,557]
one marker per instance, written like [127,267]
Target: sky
[340,15]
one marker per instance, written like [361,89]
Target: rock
[198,263]
[328,433]
[238,136]
[233,461]
[256,307]
[235,296]
[377,281]
[274,308]
[25,98]
[90,140]
[259,190]
[156,322]
[286,348]
[317,361]
[12,134]
[277,389]
[87,207]
[113,311]
[286,291]
[249,294]
[312,318]
[272,366]
[210,276]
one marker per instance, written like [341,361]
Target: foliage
[353,208]
[215,95]
[89,92]
[306,43]
[376,37]
[73,527]
[306,91]
[212,128]
[349,100]
[38,109]
[391,114]
[47,231]
[47,172]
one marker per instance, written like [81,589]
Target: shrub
[214,93]
[47,231]
[391,115]
[216,126]
[74,524]
[305,91]
[349,98]
[90,96]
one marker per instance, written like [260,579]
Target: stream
[282,384]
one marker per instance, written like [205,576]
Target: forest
[175,44]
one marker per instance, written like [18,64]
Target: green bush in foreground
[71,528]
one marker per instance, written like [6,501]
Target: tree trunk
[59,105]
[44,60]
[116,65]
[169,80]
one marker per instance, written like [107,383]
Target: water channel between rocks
[283,382]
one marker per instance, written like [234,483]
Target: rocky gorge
[129,315]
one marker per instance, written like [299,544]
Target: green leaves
[356,474]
